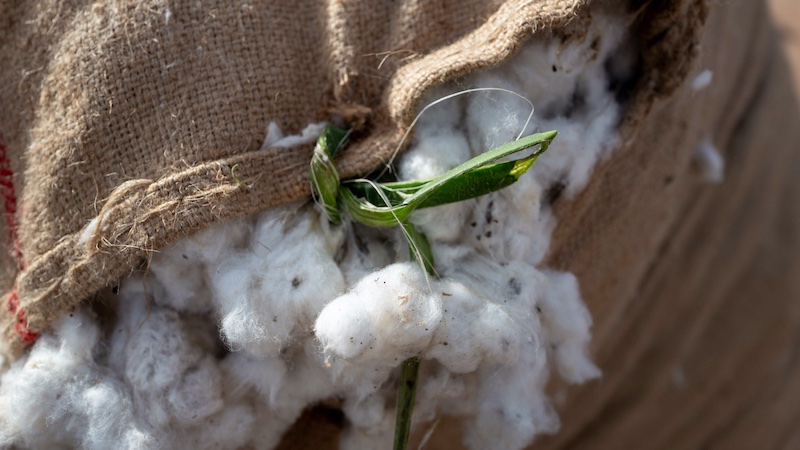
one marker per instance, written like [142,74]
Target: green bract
[323,173]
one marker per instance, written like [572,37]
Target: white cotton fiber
[231,333]
[702,80]
[57,398]
[567,321]
[568,85]
[490,337]
[512,405]
[174,380]
[387,317]
[276,139]
[270,294]
[710,162]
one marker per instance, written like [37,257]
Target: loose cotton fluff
[233,332]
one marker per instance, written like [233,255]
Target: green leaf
[388,204]
[480,181]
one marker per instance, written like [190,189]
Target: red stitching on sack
[20,324]
[10,209]
[10,204]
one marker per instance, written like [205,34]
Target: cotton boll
[132,308]
[243,373]
[8,430]
[198,394]
[178,284]
[570,158]
[274,226]
[388,316]
[442,223]
[238,292]
[57,398]
[512,405]
[298,249]
[569,85]
[514,285]
[269,295]
[287,384]
[488,309]
[474,331]
[454,344]
[111,423]
[580,143]
[248,419]
[32,390]
[157,353]
[171,379]
[79,335]
[567,323]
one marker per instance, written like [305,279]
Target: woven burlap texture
[135,112]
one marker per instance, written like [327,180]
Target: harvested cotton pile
[234,331]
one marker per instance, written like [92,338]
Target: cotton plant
[405,301]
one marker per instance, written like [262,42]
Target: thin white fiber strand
[419,115]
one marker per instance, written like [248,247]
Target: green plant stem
[405,402]
[420,250]
[470,179]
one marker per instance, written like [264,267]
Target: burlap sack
[139,112]
[694,287]
[133,113]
